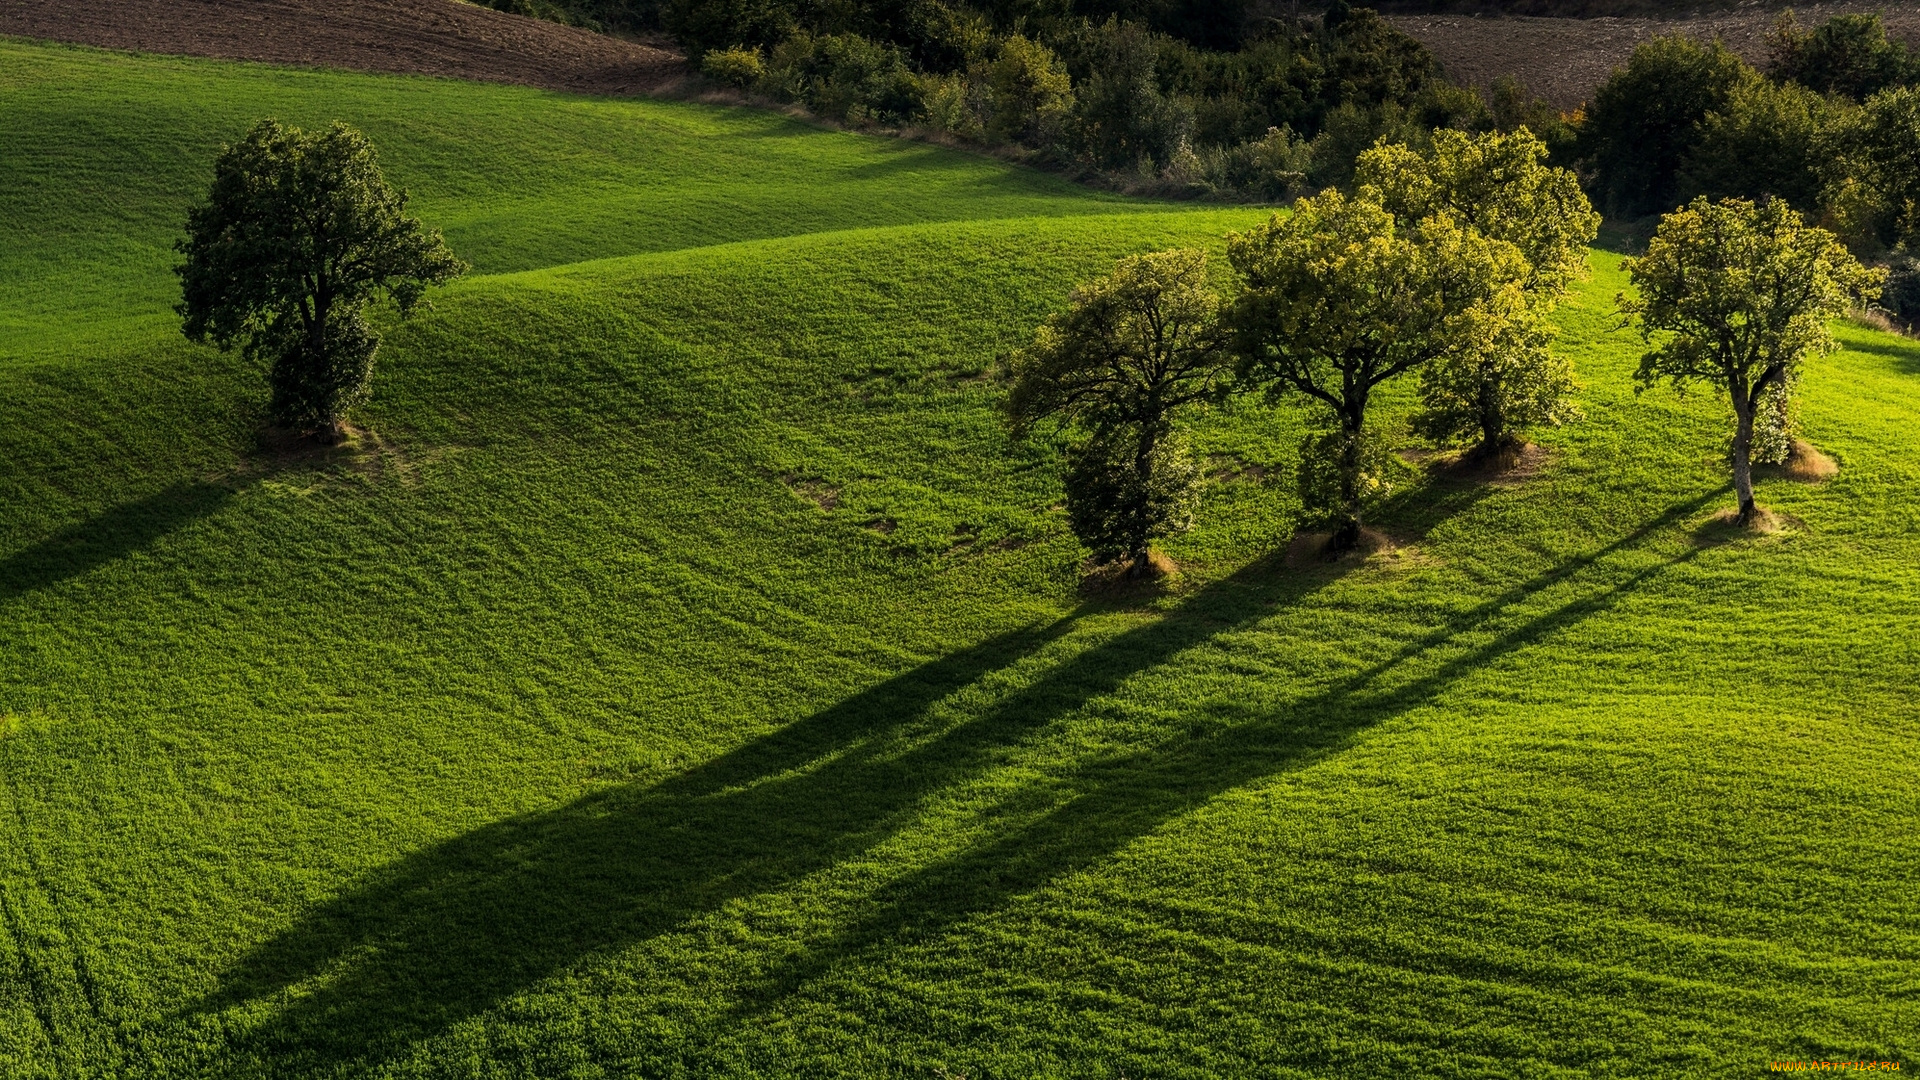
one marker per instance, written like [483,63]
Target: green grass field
[686,677]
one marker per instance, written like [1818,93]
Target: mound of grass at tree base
[684,676]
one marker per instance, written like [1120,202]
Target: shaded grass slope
[684,676]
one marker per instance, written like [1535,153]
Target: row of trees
[1443,265]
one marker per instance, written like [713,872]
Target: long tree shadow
[1115,801]
[1905,353]
[115,534]
[449,932]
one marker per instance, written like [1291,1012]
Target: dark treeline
[1247,100]
[1832,127]
[1195,97]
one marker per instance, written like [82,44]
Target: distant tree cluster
[1188,98]
[1442,265]
[1832,127]
[1244,101]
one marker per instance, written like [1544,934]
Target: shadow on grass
[120,531]
[449,932]
[1906,355]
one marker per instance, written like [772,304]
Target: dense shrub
[1849,55]
[1647,116]
[1512,107]
[736,67]
[1125,118]
[1872,160]
[843,77]
[1900,298]
[1117,509]
[1343,475]
[1270,169]
[1764,141]
[1029,96]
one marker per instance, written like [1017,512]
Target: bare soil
[1564,60]
[1806,464]
[1116,580]
[414,37]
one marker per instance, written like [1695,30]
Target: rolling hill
[683,674]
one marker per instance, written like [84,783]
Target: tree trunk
[1143,480]
[1493,425]
[332,430]
[1346,533]
[1743,411]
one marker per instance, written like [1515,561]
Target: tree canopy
[1646,117]
[1132,350]
[1500,186]
[1339,298]
[299,232]
[1745,290]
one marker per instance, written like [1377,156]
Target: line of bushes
[1207,98]
[1288,111]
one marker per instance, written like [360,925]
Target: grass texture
[684,676]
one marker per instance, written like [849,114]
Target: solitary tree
[1746,291]
[1134,349]
[1500,186]
[1339,299]
[299,232]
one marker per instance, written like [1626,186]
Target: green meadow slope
[685,676]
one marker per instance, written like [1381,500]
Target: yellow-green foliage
[738,67]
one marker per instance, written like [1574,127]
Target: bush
[1029,95]
[1319,480]
[1511,107]
[844,77]
[1765,141]
[1647,115]
[1849,55]
[1901,296]
[1872,159]
[737,67]
[1272,169]
[954,104]
[1775,423]
[1352,130]
[1125,120]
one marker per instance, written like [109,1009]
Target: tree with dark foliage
[299,233]
[1648,114]
[1135,349]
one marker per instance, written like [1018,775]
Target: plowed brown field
[428,37]
[1561,59]
[1564,60]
